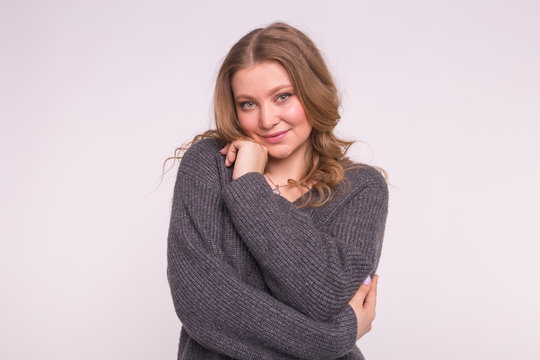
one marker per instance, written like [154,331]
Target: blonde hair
[315,88]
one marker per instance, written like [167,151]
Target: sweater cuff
[347,324]
[249,187]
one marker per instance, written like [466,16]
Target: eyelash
[244,103]
[284,94]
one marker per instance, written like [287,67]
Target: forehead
[259,78]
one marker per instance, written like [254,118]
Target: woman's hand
[363,304]
[248,155]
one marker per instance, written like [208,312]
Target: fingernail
[368,280]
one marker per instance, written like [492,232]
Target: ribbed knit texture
[252,277]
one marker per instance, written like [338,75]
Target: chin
[279,153]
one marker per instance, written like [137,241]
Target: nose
[268,117]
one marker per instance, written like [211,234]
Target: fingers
[371,297]
[360,295]
[232,149]
[225,149]
[229,151]
[363,304]
[247,156]
[231,154]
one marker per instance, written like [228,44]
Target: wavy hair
[315,88]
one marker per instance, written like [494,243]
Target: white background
[444,95]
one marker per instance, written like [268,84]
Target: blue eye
[283,97]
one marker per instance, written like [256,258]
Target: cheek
[297,116]
[246,123]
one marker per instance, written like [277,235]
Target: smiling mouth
[274,135]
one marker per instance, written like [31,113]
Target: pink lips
[276,137]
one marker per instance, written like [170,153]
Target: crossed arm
[228,316]
[314,271]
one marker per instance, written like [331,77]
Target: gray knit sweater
[252,277]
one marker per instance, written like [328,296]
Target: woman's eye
[247,105]
[283,97]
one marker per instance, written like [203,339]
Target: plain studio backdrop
[444,95]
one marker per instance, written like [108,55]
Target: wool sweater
[253,277]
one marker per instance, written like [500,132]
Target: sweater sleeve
[226,315]
[314,271]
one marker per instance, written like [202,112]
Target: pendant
[276,190]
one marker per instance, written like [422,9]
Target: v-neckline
[306,194]
[229,171]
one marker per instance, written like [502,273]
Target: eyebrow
[273,90]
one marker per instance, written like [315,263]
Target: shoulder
[363,178]
[363,174]
[199,160]
[364,192]
[202,149]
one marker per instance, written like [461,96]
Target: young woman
[275,234]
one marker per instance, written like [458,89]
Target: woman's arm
[220,311]
[314,271]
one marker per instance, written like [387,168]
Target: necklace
[276,188]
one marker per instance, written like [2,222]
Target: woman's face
[269,111]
